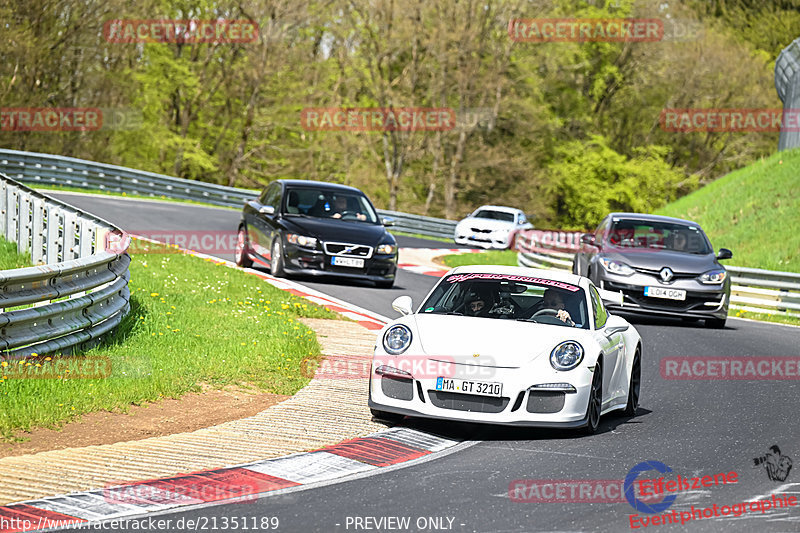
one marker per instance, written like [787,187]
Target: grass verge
[488,257]
[752,211]
[192,323]
[11,258]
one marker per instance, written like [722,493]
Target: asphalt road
[696,427]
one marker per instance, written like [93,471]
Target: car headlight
[713,276]
[397,339]
[386,249]
[566,355]
[616,267]
[301,240]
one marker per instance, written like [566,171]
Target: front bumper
[483,240]
[303,261]
[518,405]
[702,301]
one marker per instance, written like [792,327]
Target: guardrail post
[37,236]
[52,244]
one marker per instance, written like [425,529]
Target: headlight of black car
[386,249]
[301,240]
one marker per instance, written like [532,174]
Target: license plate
[464,386]
[661,292]
[347,262]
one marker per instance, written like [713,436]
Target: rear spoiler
[610,297]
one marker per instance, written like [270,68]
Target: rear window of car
[659,236]
[495,215]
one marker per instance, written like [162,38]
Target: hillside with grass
[754,211]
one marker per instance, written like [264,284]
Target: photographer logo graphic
[630,495]
[776,464]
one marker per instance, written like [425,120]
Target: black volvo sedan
[316,228]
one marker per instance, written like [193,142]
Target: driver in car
[340,208]
[479,301]
[554,300]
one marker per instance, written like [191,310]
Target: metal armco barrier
[37,169]
[83,265]
[752,289]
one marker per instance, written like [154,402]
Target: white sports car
[491,226]
[507,345]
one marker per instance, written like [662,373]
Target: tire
[276,259]
[385,284]
[715,323]
[595,404]
[392,418]
[634,385]
[240,253]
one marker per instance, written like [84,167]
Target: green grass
[765,317]
[488,257]
[754,211]
[11,258]
[191,323]
[419,236]
[57,188]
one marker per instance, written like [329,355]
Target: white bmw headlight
[713,276]
[397,339]
[616,267]
[566,355]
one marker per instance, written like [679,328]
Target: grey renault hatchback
[661,265]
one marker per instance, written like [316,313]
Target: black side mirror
[724,253]
[588,238]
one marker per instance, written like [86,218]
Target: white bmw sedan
[491,226]
[507,345]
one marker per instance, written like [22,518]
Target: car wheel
[715,323]
[276,260]
[595,403]
[386,417]
[635,384]
[240,253]
[385,283]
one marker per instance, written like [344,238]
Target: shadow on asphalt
[488,432]
[690,323]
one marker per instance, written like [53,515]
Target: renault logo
[476,355]
[666,274]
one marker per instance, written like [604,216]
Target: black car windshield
[658,235]
[494,215]
[507,296]
[328,203]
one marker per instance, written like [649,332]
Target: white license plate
[347,262]
[661,292]
[465,386]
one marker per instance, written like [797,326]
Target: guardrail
[79,290]
[46,169]
[752,289]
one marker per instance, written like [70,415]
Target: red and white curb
[433,271]
[237,484]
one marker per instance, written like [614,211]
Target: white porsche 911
[507,345]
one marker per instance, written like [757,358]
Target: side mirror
[724,253]
[402,304]
[266,210]
[387,221]
[610,297]
[588,238]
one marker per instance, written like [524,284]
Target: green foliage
[590,179]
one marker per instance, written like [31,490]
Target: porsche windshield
[512,297]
